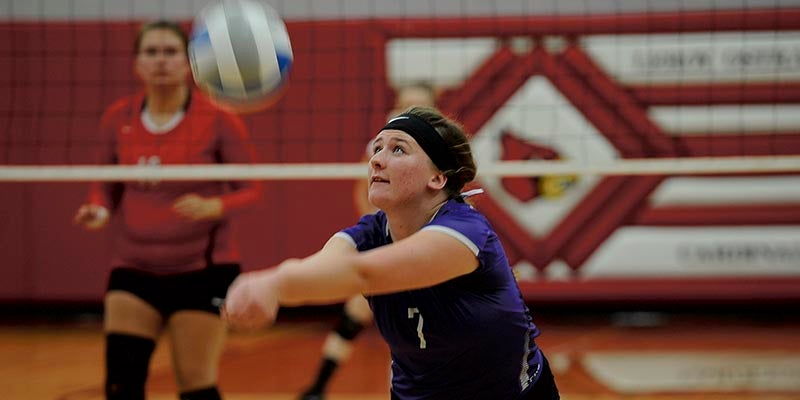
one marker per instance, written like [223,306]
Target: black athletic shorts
[195,290]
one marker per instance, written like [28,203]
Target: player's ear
[437,181]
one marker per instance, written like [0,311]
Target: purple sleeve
[368,233]
[467,227]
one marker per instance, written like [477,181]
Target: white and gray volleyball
[240,53]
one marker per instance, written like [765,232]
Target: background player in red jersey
[174,254]
[356,313]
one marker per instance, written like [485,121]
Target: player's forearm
[103,194]
[318,280]
[243,198]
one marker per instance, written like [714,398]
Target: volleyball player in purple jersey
[356,314]
[432,268]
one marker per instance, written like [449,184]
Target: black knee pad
[127,363]
[210,393]
[348,328]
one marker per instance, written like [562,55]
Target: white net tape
[325,171]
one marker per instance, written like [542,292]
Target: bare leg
[198,339]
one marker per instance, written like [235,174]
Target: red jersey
[153,236]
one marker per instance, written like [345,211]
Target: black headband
[427,137]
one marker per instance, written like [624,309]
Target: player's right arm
[95,213]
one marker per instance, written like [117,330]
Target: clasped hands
[253,299]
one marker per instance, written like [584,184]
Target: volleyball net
[628,151]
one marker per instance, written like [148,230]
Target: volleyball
[240,54]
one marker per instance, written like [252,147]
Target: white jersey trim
[150,125]
[524,377]
[455,234]
[345,237]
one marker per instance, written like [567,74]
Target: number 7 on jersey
[411,313]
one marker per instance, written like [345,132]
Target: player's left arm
[338,271]
[235,147]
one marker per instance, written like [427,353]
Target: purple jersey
[471,337]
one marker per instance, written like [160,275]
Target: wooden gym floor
[601,356]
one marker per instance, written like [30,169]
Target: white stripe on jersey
[346,237]
[455,234]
